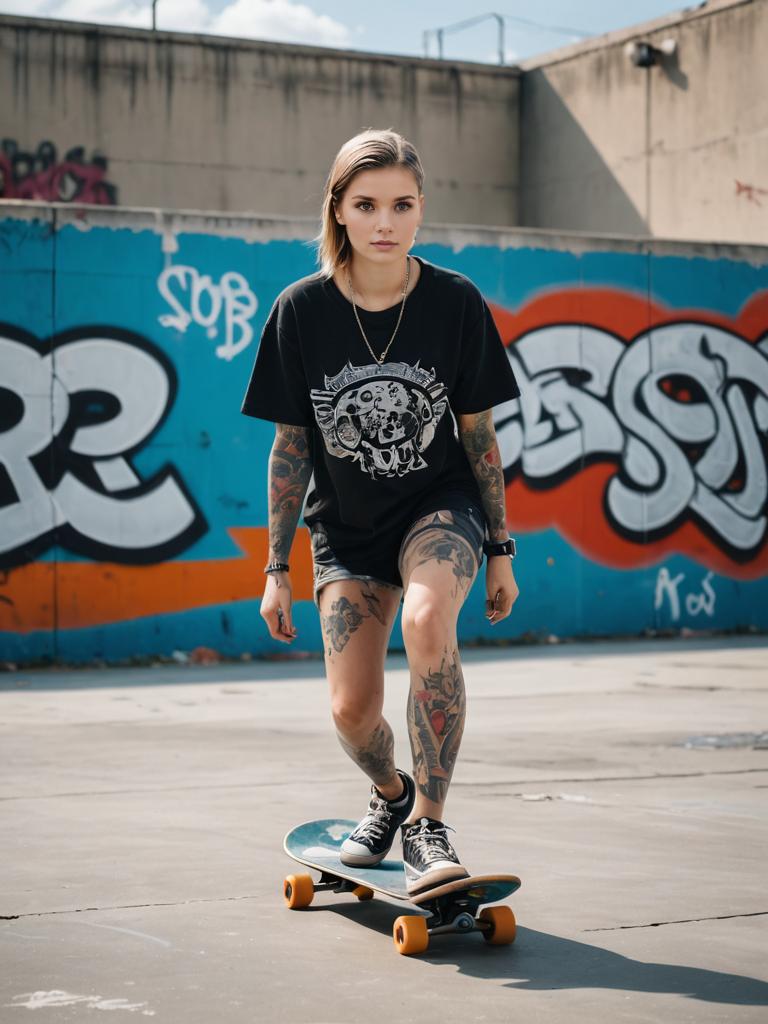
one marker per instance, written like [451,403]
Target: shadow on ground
[539,961]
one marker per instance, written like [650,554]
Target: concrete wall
[201,122]
[133,499]
[678,150]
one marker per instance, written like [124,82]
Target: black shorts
[380,563]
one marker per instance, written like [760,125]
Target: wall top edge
[622,35]
[240,43]
[251,227]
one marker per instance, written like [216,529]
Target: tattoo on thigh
[344,618]
[347,616]
[376,756]
[444,546]
[374,605]
[436,711]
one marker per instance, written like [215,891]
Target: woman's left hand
[500,588]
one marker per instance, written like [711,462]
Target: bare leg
[438,569]
[356,617]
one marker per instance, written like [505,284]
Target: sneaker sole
[435,878]
[359,860]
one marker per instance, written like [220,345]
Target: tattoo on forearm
[377,755]
[436,712]
[290,469]
[347,616]
[479,440]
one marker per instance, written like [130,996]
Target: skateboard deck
[452,906]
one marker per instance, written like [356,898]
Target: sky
[397,26]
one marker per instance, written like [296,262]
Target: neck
[375,281]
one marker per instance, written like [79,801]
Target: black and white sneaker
[428,857]
[369,843]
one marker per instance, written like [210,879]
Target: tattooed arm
[290,469]
[478,437]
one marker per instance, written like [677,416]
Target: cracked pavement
[143,812]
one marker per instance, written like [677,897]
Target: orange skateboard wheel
[363,892]
[410,935]
[298,891]
[503,926]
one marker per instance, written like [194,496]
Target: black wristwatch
[507,547]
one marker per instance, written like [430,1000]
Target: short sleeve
[485,377]
[278,388]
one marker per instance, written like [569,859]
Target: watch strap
[507,547]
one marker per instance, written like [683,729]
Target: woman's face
[381,206]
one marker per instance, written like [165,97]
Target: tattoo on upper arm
[290,469]
[479,439]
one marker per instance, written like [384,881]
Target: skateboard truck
[448,913]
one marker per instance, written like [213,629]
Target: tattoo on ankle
[436,711]
[376,757]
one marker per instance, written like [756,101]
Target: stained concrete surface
[143,810]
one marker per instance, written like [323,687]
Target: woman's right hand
[276,607]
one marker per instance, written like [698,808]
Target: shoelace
[376,821]
[431,841]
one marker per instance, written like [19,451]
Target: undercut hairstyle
[370,149]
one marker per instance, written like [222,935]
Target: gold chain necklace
[380,359]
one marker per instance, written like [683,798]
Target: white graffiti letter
[666,586]
[703,602]
[206,303]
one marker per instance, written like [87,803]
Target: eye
[362,204]
[406,205]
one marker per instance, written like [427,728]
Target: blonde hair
[370,149]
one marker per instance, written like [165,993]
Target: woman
[380,372]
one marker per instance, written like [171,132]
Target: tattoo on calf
[436,711]
[377,756]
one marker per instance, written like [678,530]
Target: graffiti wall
[133,501]
[42,175]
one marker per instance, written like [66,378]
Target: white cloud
[279,20]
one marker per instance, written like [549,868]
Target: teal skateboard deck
[451,906]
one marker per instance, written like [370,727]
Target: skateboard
[452,906]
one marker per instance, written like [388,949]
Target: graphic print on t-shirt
[384,417]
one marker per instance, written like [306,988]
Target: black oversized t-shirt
[384,439]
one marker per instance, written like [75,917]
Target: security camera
[644,54]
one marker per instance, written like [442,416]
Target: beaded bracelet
[277,567]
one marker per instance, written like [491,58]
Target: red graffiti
[41,175]
[751,191]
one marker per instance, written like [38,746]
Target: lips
[384,245]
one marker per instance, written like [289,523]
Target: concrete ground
[143,812]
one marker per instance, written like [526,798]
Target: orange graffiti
[97,593]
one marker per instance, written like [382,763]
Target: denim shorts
[383,556]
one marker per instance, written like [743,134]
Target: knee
[426,626]
[353,717]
